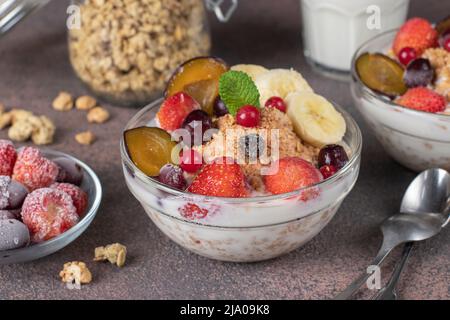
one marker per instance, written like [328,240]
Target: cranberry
[197,123]
[191,161]
[327,171]
[333,154]
[276,102]
[172,176]
[219,107]
[248,116]
[406,55]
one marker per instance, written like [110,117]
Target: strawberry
[220,179]
[293,173]
[423,99]
[174,110]
[8,157]
[416,33]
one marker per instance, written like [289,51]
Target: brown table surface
[34,67]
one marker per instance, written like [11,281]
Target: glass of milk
[334,29]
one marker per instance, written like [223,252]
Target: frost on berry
[48,213]
[79,197]
[7,157]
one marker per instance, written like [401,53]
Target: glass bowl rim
[356,154]
[88,217]
[371,93]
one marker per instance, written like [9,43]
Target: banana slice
[315,119]
[253,70]
[280,82]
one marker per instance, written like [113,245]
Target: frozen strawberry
[33,170]
[222,178]
[290,174]
[79,197]
[416,33]
[8,157]
[423,99]
[174,110]
[48,213]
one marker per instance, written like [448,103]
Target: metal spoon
[438,196]
[427,194]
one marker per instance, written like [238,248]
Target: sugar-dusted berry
[48,213]
[79,197]
[33,170]
[8,157]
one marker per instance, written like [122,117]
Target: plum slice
[381,74]
[198,77]
[149,148]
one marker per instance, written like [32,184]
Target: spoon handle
[388,292]
[348,293]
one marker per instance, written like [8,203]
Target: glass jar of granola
[125,50]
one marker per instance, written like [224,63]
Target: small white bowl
[91,185]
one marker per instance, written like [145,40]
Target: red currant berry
[191,161]
[406,55]
[446,45]
[276,102]
[248,116]
[327,171]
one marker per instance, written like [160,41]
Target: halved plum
[381,73]
[198,77]
[443,26]
[149,148]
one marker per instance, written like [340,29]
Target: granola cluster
[440,60]
[76,272]
[125,49]
[276,138]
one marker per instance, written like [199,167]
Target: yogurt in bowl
[230,211]
[417,134]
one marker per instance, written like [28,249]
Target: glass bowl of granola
[120,49]
[49,215]
[271,167]
[401,86]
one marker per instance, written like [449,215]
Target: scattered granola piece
[85,137]
[98,115]
[5,119]
[20,114]
[85,103]
[75,272]
[115,253]
[2,108]
[63,102]
[43,131]
[20,131]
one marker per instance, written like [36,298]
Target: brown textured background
[34,66]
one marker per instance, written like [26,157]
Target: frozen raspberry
[33,170]
[8,157]
[79,197]
[48,213]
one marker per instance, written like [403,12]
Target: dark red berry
[197,123]
[248,116]
[333,154]
[191,161]
[446,45]
[276,102]
[219,107]
[172,176]
[327,171]
[406,55]
[419,73]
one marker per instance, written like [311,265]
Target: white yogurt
[334,29]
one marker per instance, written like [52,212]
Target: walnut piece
[85,137]
[18,114]
[85,103]
[75,272]
[115,253]
[63,102]
[98,115]
[20,131]
[43,131]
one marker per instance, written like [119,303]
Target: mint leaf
[237,89]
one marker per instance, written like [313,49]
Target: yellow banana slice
[280,82]
[315,119]
[253,70]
